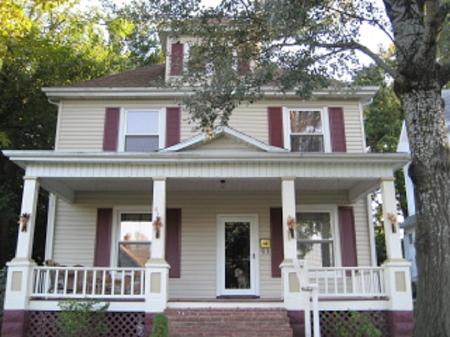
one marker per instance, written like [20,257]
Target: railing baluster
[335,282]
[94,280]
[75,281]
[142,273]
[55,286]
[132,283]
[122,286]
[65,281]
[103,281]
[84,281]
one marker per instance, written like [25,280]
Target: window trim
[161,127]
[325,127]
[333,211]
[117,211]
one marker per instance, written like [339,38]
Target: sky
[371,37]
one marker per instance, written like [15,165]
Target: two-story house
[259,229]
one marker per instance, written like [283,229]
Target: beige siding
[75,232]
[81,121]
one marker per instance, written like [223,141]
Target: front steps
[228,323]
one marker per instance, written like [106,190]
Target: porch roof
[65,173]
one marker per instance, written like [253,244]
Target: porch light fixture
[157,224]
[23,221]
[291,226]
[392,218]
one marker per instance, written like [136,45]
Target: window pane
[317,254]
[142,122]
[135,227]
[133,254]
[141,143]
[313,226]
[305,121]
[307,143]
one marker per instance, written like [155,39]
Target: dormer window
[307,130]
[141,130]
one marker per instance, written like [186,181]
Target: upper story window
[315,241]
[134,239]
[307,130]
[141,130]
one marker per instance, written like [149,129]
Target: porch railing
[88,282]
[348,281]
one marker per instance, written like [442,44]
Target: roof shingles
[148,76]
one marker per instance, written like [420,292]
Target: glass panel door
[237,255]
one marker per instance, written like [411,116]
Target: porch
[210,192]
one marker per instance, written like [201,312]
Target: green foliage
[81,319]
[160,326]
[359,325]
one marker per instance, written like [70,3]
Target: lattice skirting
[331,320]
[120,324]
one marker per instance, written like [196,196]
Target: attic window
[141,131]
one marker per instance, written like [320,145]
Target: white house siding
[75,232]
[81,122]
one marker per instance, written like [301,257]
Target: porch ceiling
[69,187]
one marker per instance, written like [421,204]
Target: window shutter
[276,236]
[172,126]
[347,236]
[103,237]
[176,60]
[111,130]
[243,67]
[275,119]
[337,129]
[173,241]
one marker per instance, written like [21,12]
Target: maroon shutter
[176,61]
[276,235]
[173,241]
[111,130]
[347,236]
[103,237]
[275,119]
[337,129]
[243,67]
[172,126]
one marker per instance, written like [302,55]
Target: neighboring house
[155,217]
[409,225]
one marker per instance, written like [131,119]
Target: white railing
[88,282]
[348,281]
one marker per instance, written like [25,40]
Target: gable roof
[203,138]
[148,76]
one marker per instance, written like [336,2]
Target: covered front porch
[219,200]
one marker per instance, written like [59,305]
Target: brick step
[228,323]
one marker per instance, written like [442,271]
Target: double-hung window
[315,242]
[307,130]
[141,130]
[135,234]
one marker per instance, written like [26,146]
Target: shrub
[82,319]
[359,325]
[160,326]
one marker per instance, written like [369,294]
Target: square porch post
[156,268]
[293,273]
[19,278]
[396,269]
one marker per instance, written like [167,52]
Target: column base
[156,279]
[401,323]
[15,323]
[297,321]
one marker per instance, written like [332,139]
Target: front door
[237,255]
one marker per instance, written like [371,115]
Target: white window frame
[117,211]
[161,127]
[325,127]
[333,211]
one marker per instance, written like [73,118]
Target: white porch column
[18,283]
[396,270]
[391,228]
[289,210]
[156,268]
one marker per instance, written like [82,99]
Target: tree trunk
[430,172]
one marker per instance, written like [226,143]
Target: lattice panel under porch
[120,324]
[329,320]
